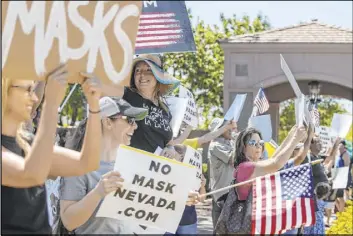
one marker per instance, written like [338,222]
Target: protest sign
[236,108]
[52,187]
[263,124]
[325,137]
[341,124]
[193,157]
[91,36]
[340,177]
[143,230]
[300,110]
[290,77]
[164,27]
[190,116]
[177,107]
[153,194]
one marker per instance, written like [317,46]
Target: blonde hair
[21,134]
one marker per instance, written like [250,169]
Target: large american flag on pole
[261,104]
[164,27]
[283,201]
[315,115]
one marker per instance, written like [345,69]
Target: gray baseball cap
[112,106]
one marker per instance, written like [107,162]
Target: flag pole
[243,183]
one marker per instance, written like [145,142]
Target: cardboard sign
[263,124]
[52,187]
[290,77]
[325,136]
[341,124]
[164,27]
[177,107]
[193,157]
[236,108]
[92,36]
[154,193]
[190,116]
[299,110]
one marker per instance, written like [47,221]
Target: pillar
[274,112]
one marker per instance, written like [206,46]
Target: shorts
[329,205]
[340,193]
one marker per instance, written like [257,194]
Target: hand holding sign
[109,182]
[193,198]
[92,89]
[55,88]
[236,108]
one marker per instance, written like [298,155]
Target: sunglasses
[28,89]
[129,120]
[259,144]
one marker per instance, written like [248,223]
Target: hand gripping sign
[91,36]
[154,192]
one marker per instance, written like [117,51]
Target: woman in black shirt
[148,85]
[25,168]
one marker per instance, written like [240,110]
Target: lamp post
[314,91]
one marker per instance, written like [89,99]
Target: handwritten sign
[92,36]
[177,107]
[154,193]
[325,138]
[340,177]
[190,116]
[194,158]
[236,108]
[290,76]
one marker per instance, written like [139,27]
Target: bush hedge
[344,222]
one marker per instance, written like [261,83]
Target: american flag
[315,115]
[261,104]
[283,201]
[158,29]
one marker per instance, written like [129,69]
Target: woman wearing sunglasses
[81,196]
[248,165]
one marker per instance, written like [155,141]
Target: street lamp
[314,91]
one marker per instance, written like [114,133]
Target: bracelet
[94,112]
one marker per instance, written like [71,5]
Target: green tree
[327,107]
[202,72]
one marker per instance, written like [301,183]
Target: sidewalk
[204,217]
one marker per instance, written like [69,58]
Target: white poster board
[52,187]
[325,138]
[263,124]
[236,108]
[154,192]
[299,110]
[190,116]
[290,77]
[177,107]
[340,177]
[340,124]
[193,157]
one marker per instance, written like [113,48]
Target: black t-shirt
[153,131]
[24,210]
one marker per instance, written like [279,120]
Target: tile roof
[312,32]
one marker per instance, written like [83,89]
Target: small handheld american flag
[315,115]
[283,201]
[261,104]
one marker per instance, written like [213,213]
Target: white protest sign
[194,158]
[236,108]
[341,124]
[325,137]
[143,230]
[263,124]
[158,151]
[340,177]
[300,110]
[190,116]
[91,36]
[177,107]
[290,77]
[153,194]
[52,187]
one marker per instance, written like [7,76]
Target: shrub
[344,222]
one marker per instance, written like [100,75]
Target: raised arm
[112,90]
[215,134]
[301,156]
[67,162]
[280,158]
[184,135]
[33,170]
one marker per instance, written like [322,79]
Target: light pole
[314,91]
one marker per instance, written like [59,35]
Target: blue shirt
[189,216]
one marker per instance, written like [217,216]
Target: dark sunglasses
[253,143]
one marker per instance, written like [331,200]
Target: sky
[280,14]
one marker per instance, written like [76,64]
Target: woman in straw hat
[148,85]
[25,167]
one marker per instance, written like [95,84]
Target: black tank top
[23,210]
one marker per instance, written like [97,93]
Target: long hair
[75,142]
[22,136]
[243,138]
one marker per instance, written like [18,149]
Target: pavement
[204,217]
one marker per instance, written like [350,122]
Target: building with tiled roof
[312,50]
